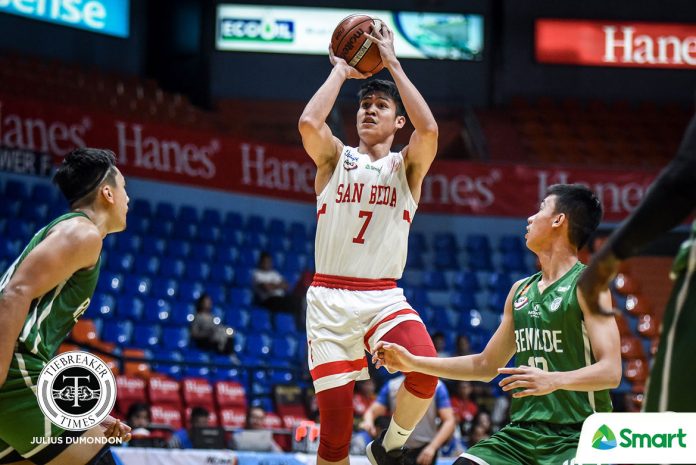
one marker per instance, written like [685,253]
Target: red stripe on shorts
[389,317]
[335,368]
[352,284]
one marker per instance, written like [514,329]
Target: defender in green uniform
[566,358]
[42,295]
[669,201]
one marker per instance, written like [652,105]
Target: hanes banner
[214,160]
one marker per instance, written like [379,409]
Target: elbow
[430,131]
[615,378]
[308,124]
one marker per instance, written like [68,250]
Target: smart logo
[105,16]
[257,30]
[604,438]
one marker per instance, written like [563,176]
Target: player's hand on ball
[393,357]
[116,429]
[351,73]
[533,381]
[383,37]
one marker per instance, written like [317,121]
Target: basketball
[350,41]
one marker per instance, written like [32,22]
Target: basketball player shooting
[366,199]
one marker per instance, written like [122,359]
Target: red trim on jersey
[321,211]
[335,368]
[407,216]
[352,284]
[389,317]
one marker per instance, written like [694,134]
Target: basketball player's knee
[463,461]
[420,385]
[335,405]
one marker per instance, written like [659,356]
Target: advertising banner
[616,43]
[236,164]
[306,30]
[109,17]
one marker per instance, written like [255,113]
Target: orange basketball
[350,41]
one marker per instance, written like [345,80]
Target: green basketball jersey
[550,334]
[671,381]
[51,316]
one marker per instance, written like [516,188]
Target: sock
[396,436]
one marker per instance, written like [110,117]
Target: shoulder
[77,235]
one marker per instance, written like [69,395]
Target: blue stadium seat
[208,232]
[243,276]
[445,260]
[496,300]
[221,273]
[298,231]
[141,207]
[227,254]
[19,229]
[118,332]
[161,355]
[184,231]
[175,338]
[161,228]
[234,220]
[276,226]
[237,317]
[153,245]
[260,319]
[514,260]
[16,190]
[445,241]
[9,208]
[253,240]
[136,285]
[280,376]
[211,216]
[10,249]
[37,213]
[182,314]
[165,211]
[239,342]
[300,245]
[511,243]
[102,305]
[202,251]
[434,280]
[146,335]
[258,344]
[478,242]
[284,323]
[189,291]
[171,267]
[499,282]
[255,224]
[128,242]
[466,281]
[217,293]
[294,263]
[178,248]
[110,282]
[414,261]
[43,193]
[284,348]
[138,225]
[480,260]
[469,321]
[196,270]
[463,300]
[187,214]
[276,243]
[197,372]
[156,310]
[416,241]
[130,308]
[164,288]
[146,264]
[121,263]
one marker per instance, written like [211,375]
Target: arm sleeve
[669,200]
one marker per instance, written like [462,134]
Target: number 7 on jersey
[360,238]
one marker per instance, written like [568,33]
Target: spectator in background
[361,438]
[363,397]
[271,289]
[440,343]
[207,332]
[256,436]
[181,439]
[431,432]
[464,403]
[463,346]
[481,428]
[138,417]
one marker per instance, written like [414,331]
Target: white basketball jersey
[363,217]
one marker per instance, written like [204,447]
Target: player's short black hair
[581,206]
[82,171]
[386,87]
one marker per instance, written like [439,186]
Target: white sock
[396,436]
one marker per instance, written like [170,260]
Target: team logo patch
[350,162]
[76,390]
[563,288]
[520,302]
[556,303]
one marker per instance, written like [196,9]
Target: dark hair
[199,301]
[82,171]
[386,87]
[136,408]
[254,406]
[197,412]
[581,206]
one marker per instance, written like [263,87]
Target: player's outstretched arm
[71,246]
[670,199]
[422,146]
[477,367]
[605,373]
